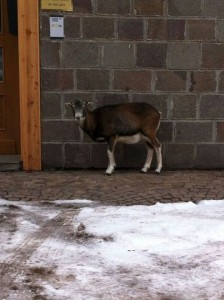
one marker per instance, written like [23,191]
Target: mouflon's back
[126,119]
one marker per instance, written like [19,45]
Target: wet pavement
[124,187]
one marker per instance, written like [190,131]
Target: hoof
[157,173]
[108,174]
[143,171]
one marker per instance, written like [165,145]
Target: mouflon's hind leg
[151,135]
[148,161]
[159,159]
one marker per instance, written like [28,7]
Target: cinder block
[212,107]
[93,80]
[221,82]
[151,55]
[77,155]
[215,8]
[56,79]
[132,80]
[130,29]
[52,155]
[220,132]
[72,27]
[161,29]
[50,56]
[210,156]
[44,26]
[220,29]
[110,98]
[118,55]
[202,81]
[99,157]
[165,131]
[134,155]
[171,81]
[51,106]
[191,8]
[184,56]
[80,54]
[98,27]
[149,8]
[83,6]
[213,56]
[201,30]
[194,132]
[179,156]
[60,131]
[183,106]
[113,7]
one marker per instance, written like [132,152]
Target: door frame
[29,84]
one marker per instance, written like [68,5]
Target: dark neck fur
[89,124]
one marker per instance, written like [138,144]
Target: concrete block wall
[169,53]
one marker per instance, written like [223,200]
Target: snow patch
[156,252]
[166,249]
[74,201]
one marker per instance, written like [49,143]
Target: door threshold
[10,163]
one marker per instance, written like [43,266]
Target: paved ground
[27,228]
[125,187]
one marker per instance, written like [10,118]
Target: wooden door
[9,81]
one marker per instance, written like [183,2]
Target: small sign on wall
[57,27]
[62,5]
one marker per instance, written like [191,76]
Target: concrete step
[10,163]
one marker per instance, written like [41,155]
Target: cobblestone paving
[125,187]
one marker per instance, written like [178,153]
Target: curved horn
[68,104]
[89,105]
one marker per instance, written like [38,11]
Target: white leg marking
[159,159]
[111,162]
[148,161]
